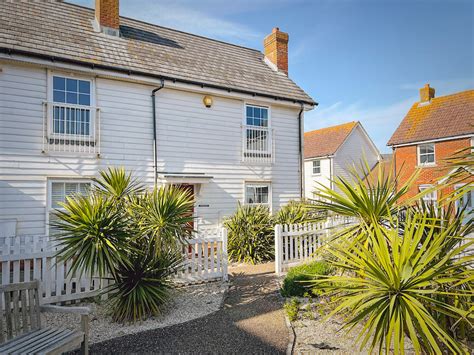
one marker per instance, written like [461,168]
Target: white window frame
[49,190]
[314,161]
[471,192]
[50,106]
[268,128]
[259,184]
[421,188]
[418,153]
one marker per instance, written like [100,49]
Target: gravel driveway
[252,321]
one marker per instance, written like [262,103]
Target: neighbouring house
[84,89]
[433,130]
[332,152]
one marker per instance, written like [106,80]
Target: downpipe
[155,144]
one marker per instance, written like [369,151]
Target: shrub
[297,212]
[250,237]
[396,287]
[296,282]
[133,237]
[292,308]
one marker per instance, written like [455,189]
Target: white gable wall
[191,138]
[352,152]
[314,181]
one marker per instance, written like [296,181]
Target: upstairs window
[426,154]
[257,194]
[316,167]
[257,116]
[71,106]
[257,145]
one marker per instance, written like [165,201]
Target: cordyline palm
[394,287]
[132,236]
[369,201]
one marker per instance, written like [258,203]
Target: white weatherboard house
[333,151]
[84,89]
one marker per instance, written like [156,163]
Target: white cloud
[379,121]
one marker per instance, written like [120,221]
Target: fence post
[225,258]
[278,250]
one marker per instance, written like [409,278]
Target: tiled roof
[65,31]
[443,117]
[326,141]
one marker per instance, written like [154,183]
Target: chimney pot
[276,49]
[427,93]
[107,15]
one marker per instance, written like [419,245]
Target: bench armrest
[62,309]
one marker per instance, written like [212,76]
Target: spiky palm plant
[142,286]
[298,212]
[394,287]
[251,237]
[121,231]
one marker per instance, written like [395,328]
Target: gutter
[300,140]
[155,145]
[11,51]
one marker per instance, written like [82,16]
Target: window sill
[316,174]
[433,165]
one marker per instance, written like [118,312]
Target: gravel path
[252,321]
[316,335]
[187,303]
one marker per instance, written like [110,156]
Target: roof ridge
[172,29]
[338,125]
[448,95]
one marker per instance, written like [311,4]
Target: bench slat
[14,343]
[44,343]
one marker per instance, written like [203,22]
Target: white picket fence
[297,243]
[29,258]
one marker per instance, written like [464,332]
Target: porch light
[207,100]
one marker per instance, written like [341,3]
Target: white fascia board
[433,140]
[141,79]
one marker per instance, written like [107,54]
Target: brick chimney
[427,93]
[276,49]
[107,16]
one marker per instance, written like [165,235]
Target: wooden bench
[20,323]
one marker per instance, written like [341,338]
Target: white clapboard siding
[30,258]
[297,243]
[191,139]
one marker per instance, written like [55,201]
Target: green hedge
[295,282]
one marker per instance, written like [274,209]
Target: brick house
[433,129]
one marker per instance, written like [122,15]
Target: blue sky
[361,60]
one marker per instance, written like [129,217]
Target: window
[466,200]
[426,154]
[430,198]
[257,145]
[316,167]
[71,112]
[257,194]
[59,190]
[257,116]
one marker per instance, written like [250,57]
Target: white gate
[297,243]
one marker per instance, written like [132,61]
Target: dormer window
[426,154]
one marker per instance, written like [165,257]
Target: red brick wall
[406,162]
[276,49]
[107,13]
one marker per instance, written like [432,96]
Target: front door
[190,189]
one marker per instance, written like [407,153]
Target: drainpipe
[155,146]
[300,118]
